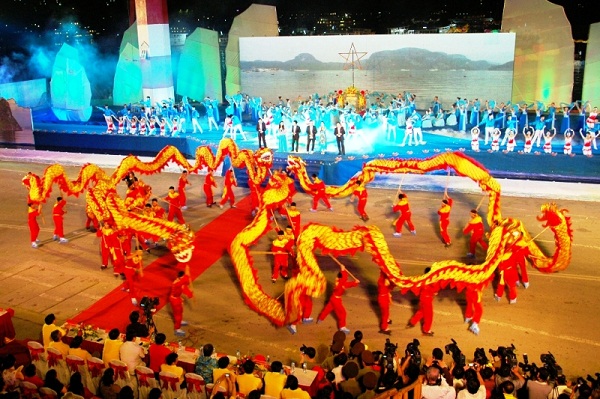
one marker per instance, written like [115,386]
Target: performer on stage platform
[209,183]
[425,311]
[295,136]
[568,145]
[403,207]
[261,129]
[360,192]
[339,133]
[228,194]
[335,301]
[58,213]
[311,137]
[183,181]
[319,194]
[475,227]
[444,213]
[548,136]
[33,211]
[174,202]
[180,286]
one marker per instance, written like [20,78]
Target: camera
[412,350]
[303,348]
[480,357]
[149,304]
[506,355]
[457,356]
[554,370]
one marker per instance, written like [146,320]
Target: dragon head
[295,163]
[181,244]
[264,158]
[550,214]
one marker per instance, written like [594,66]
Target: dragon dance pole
[342,265]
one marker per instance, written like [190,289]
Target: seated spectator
[48,327]
[4,394]
[56,343]
[138,329]
[51,381]
[538,388]
[339,361]
[29,375]
[111,346]
[358,337]
[108,389]
[308,356]
[158,352]
[75,349]
[248,381]
[474,386]
[225,386]
[11,375]
[223,369]
[275,380]
[131,353]
[292,391]
[76,386]
[367,361]
[350,385]
[368,384]
[155,393]
[336,348]
[126,392]
[206,363]
[170,366]
[435,385]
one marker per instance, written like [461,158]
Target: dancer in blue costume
[490,125]
[417,128]
[436,106]
[282,137]
[109,116]
[565,124]
[462,115]
[540,128]
[475,107]
[552,115]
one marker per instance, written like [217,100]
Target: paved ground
[557,313]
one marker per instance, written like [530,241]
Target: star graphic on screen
[353,57]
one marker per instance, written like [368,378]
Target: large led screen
[444,65]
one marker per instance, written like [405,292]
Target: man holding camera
[435,385]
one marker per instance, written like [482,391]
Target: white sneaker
[474,328]
[63,240]
[221,206]
[184,208]
[397,234]
[345,330]
[512,301]
[184,323]
[134,301]
[292,329]
[54,237]
[526,285]
[34,245]
[179,332]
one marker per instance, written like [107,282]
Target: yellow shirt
[47,329]
[82,353]
[61,347]
[274,384]
[218,373]
[173,369]
[294,394]
[111,350]
[247,383]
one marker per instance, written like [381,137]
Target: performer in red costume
[281,248]
[425,311]
[474,309]
[183,181]
[475,227]
[403,207]
[58,212]
[293,216]
[133,268]
[444,213]
[509,272]
[110,248]
[335,301]
[384,298]
[180,286]
[33,211]
[318,188]
[360,192]
[306,306]
[255,193]
[174,206]
[159,211]
[228,184]
[209,183]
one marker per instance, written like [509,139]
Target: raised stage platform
[371,144]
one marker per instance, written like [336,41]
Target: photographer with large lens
[512,374]
[538,387]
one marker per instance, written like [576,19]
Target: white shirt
[132,354]
[443,391]
[464,394]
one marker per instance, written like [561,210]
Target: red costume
[509,272]
[159,211]
[58,212]
[34,227]
[180,286]
[403,207]
[209,183]
[335,301]
[425,311]
[444,213]
[281,248]
[361,193]
[384,298]
[174,207]
[133,266]
[318,189]
[183,181]
[475,227]
[293,216]
[228,185]
[474,308]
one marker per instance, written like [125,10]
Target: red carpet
[211,243]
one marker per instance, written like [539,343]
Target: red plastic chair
[48,393]
[122,376]
[29,390]
[38,357]
[195,386]
[74,363]
[169,384]
[146,381]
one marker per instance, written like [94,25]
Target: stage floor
[555,314]
[371,144]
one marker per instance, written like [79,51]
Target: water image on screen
[444,65]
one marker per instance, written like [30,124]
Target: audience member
[108,389]
[131,353]
[56,343]
[112,345]
[51,381]
[292,391]
[158,352]
[206,363]
[48,327]
[275,380]
[138,329]
[76,350]
[248,381]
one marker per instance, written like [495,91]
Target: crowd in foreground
[349,371]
